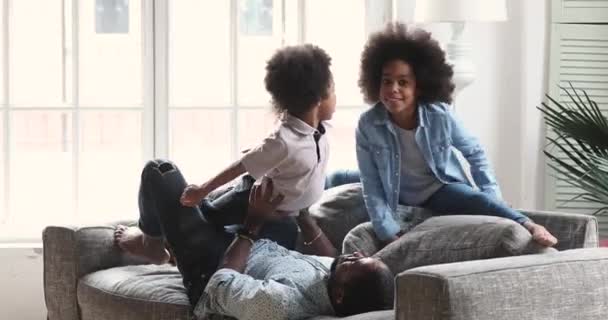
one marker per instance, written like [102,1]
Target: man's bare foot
[135,242]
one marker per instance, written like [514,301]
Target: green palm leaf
[578,152]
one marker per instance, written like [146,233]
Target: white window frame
[70,88]
[386,10]
[155,77]
[5,114]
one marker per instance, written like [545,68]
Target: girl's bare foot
[540,234]
[135,242]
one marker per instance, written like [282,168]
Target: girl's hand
[192,195]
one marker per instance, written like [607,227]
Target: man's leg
[459,198]
[196,244]
[135,242]
[146,240]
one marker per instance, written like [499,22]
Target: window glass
[199,53]
[342,40]
[110,63]
[36,79]
[200,142]
[110,163]
[41,174]
[260,34]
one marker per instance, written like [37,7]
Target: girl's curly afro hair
[416,48]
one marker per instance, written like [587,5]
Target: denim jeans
[459,198]
[195,234]
[229,208]
[340,177]
[196,244]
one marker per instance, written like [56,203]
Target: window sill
[21,245]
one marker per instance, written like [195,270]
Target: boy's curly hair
[297,78]
[416,48]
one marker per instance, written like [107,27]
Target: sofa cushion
[133,292]
[566,285]
[362,239]
[339,210]
[375,315]
[151,292]
[447,239]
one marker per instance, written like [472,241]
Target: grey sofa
[87,277]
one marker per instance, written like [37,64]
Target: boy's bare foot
[135,242]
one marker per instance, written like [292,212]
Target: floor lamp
[459,12]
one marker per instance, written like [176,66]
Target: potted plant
[578,147]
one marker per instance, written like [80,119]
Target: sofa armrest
[70,253]
[571,230]
[565,285]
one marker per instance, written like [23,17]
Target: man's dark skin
[262,208]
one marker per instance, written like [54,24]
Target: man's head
[359,284]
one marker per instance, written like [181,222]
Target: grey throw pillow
[362,239]
[339,210]
[446,239]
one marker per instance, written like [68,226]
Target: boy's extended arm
[194,194]
[234,170]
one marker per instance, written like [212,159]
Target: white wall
[534,77]
[512,57]
[499,107]
[21,294]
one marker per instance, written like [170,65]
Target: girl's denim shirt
[439,135]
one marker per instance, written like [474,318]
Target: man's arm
[261,208]
[236,255]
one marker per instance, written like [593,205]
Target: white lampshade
[460,10]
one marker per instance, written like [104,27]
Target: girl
[406,142]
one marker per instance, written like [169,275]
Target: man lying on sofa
[258,279]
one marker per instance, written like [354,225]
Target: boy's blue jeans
[195,234]
[340,177]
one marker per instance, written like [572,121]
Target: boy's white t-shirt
[289,156]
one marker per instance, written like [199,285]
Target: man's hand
[540,234]
[192,195]
[262,206]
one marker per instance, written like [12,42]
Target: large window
[217,102]
[91,89]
